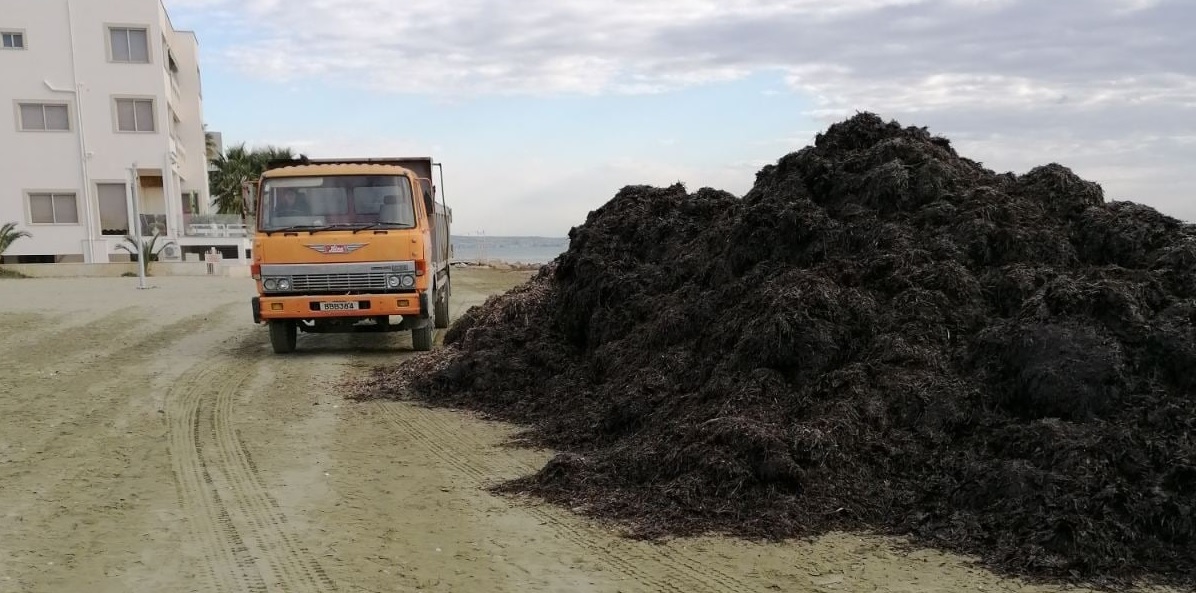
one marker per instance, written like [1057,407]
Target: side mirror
[429,205]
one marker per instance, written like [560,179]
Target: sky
[540,110]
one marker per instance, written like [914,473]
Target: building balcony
[175,94]
[217,225]
[176,149]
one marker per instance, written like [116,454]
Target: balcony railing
[217,225]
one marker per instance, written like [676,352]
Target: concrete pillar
[170,197]
[95,251]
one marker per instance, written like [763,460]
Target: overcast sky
[541,109]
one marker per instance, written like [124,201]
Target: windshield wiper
[401,225]
[338,225]
[311,228]
[297,227]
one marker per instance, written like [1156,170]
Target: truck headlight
[284,284]
[393,281]
[408,281]
[270,284]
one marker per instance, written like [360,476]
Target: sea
[510,250]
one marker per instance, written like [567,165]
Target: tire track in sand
[229,565]
[246,543]
[294,566]
[665,570]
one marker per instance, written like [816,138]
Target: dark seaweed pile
[881,335]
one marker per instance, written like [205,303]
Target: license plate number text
[340,306]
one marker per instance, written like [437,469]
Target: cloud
[586,46]
[1020,82]
[185,5]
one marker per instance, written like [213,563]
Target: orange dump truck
[346,245]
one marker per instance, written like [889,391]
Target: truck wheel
[421,338]
[283,334]
[442,310]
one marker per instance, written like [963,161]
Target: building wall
[41,160]
[52,160]
[193,167]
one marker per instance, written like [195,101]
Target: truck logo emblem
[341,248]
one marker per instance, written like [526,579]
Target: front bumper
[412,304]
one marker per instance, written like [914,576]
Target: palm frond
[9,235]
[145,250]
[236,167]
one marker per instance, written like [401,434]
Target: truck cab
[348,245]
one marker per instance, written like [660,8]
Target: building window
[129,45]
[135,115]
[114,209]
[44,117]
[12,40]
[53,208]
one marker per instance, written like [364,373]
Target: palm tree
[211,149]
[145,250]
[9,234]
[236,167]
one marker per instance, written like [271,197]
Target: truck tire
[283,335]
[421,338]
[442,309]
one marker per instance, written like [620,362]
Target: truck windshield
[336,201]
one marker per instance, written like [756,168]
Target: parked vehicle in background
[344,245]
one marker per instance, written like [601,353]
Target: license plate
[339,306]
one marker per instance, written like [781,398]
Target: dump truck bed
[421,166]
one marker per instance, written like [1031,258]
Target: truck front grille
[327,282]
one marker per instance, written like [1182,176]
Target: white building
[94,88]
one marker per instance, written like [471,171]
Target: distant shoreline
[518,252]
[497,265]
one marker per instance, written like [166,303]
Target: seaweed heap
[881,335]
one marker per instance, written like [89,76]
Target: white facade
[88,89]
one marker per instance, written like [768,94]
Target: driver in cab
[290,203]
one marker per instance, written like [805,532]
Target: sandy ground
[150,441]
